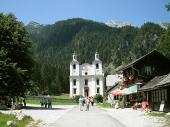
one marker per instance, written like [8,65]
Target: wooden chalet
[157,92]
[141,71]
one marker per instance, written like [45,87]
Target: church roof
[74,61]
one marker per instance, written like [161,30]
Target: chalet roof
[156,82]
[165,81]
[152,53]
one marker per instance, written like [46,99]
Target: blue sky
[136,12]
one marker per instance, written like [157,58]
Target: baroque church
[86,79]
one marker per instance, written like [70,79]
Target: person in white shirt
[81,103]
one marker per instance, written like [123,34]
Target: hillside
[54,44]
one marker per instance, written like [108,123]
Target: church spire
[74,56]
[96,56]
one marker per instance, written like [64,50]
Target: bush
[99,98]
[76,98]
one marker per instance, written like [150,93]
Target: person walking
[24,101]
[81,103]
[45,103]
[49,102]
[42,102]
[87,103]
[92,101]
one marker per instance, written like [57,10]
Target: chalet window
[154,99]
[74,91]
[152,94]
[97,81]
[97,66]
[74,82]
[86,82]
[74,66]
[165,94]
[148,70]
[98,90]
[157,95]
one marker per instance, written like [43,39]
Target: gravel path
[135,118]
[64,116]
[47,116]
[93,118]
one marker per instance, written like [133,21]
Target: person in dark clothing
[45,103]
[24,101]
[42,102]
[49,103]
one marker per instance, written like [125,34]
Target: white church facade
[86,79]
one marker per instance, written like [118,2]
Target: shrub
[76,98]
[99,98]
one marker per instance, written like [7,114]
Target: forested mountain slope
[54,44]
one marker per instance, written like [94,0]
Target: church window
[74,91]
[97,66]
[97,81]
[85,73]
[74,82]
[98,90]
[74,66]
[86,82]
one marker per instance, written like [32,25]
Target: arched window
[74,66]
[97,66]
[74,91]
[74,82]
[98,90]
[97,81]
[86,81]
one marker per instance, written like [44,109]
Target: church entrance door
[86,91]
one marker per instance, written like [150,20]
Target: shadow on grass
[42,108]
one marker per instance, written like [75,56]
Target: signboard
[132,89]
[161,109]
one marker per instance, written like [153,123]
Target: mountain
[117,24]
[164,25]
[34,27]
[54,44]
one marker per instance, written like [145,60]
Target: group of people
[84,103]
[144,105]
[46,102]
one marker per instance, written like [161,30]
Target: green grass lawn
[157,114]
[19,123]
[104,105]
[161,114]
[63,99]
[62,96]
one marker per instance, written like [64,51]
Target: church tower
[74,65]
[99,76]
[97,64]
[74,73]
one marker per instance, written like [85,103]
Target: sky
[136,12]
